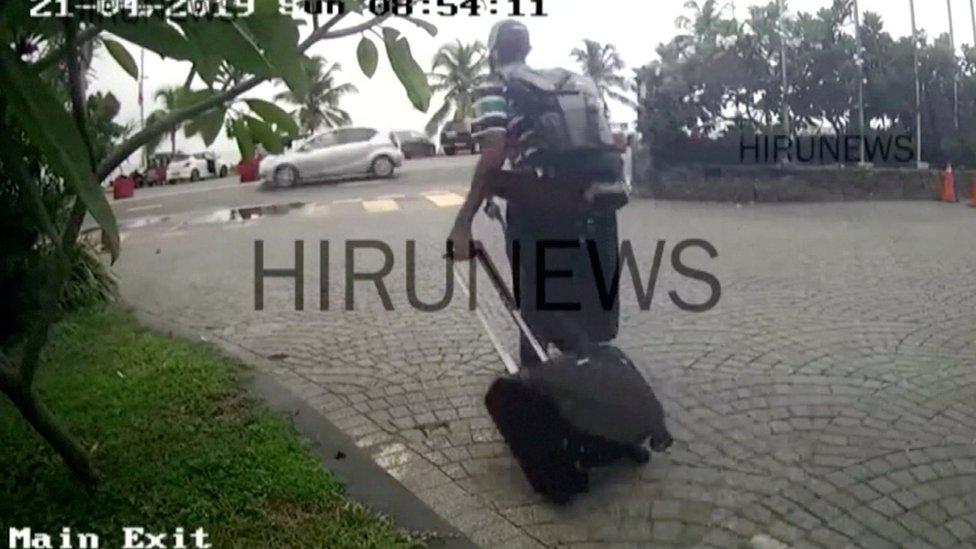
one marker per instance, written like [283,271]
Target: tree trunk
[47,425]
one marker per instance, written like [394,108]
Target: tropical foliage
[104,132]
[52,168]
[320,106]
[457,70]
[602,63]
[722,76]
[171,100]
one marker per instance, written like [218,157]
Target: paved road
[829,400]
[417,176]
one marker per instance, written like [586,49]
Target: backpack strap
[523,74]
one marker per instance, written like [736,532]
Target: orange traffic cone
[948,193]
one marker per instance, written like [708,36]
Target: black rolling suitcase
[573,412]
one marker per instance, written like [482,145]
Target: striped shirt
[495,113]
[490,108]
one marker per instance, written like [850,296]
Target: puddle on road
[144,222]
[216,217]
[257,212]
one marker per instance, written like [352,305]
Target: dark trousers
[577,302]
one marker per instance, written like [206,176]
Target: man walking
[562,189]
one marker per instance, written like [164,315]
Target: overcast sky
[636,27]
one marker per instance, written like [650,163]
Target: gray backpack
[559,116]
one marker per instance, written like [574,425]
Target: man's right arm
[486,171]
[491,111]
[493,153]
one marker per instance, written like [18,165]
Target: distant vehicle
[457,136]
[334,154]
[155,172]
[196,167]
[415,144]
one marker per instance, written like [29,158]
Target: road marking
[174,232]
[445,200]
[380,206]
[357,184]
[348,201]
[144,208]
[316,210]
[168,194]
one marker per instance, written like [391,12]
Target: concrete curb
[772,184]
[365,481]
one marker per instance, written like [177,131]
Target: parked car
[334,154]
[196,167]
[457,136]
[415,144]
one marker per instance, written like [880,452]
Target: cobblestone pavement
[828,401]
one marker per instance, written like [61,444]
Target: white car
[344,152]
[195,167]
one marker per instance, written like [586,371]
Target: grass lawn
[177,444]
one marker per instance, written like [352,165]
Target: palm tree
[458,68]
[153,144]
[171,97]
[320,107]
[706,22]
[602,63]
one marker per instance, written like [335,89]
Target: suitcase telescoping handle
[507,297]
[493,211]
[510,303]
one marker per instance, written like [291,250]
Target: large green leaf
[278,36]
[14,15]
[50,128]
[267,7]
[153,34]
[207,67]
[412,77]
[208,125]
[273,114]
[426,25]
[368,56]
[229,40]
[245,143]
[265,135]
[356,6]
[122,57]
[33,18]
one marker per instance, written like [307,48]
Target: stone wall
[788,184]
